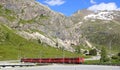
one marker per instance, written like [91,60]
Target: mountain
[34,21]
[101,28]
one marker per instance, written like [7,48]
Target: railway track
[3,65]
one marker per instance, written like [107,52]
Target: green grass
[33,20]
[91,62]
[97,62]
[15,47]
[26,21]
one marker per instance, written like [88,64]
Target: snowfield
[100,15]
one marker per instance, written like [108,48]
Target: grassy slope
[15,47]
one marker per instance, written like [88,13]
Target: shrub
[104,57]
[93,52]
[119,54]
[39,41]
[114,57]
[78,49]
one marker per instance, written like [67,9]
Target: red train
[54,60]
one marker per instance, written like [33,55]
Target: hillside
[101,28]
[13,47]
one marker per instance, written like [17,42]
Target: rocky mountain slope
[32,20]
[29,17]
[101,28]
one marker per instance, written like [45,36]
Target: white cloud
[92,2]
[104,6]
[119,9]
[54,2]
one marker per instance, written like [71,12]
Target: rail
[16,64]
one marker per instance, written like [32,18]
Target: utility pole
[110,43]
[19,51]
[40,55]
[63,54]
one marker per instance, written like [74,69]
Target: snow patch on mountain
[104,15]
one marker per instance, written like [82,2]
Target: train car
[54,60]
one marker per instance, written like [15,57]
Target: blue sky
[68,7]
